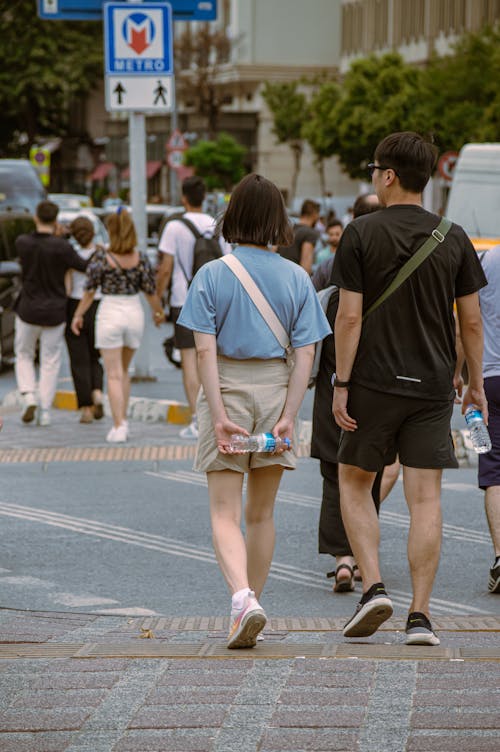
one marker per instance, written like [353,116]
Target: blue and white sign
[91,10]
[138,39]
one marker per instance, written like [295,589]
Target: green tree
[320,127]
[47,66]
[460,95]
[379,96]
[288,107]
[219,162]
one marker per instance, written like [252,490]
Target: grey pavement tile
[73,698]
[326,717]
[330,679]
[43,719]
[52,741]
[152,717]
[451,743]
[76,680]
[189,696]
[324,696]
[201,678]
[166,740]
[310,740]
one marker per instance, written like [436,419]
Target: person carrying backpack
[186,243]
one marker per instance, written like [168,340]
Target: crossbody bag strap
[436,237]
[258,300]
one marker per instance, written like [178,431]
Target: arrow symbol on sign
[119,90]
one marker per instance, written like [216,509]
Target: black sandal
[343,585]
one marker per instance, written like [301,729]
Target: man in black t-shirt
[305,237]
[394,386]
[41,310]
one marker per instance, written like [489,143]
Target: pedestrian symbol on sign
[160,94]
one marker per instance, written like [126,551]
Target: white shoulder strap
[258,299]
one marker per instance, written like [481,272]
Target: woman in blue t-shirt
[247,387]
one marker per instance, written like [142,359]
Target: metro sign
[138,39]
[92,10]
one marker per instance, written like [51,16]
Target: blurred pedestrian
[332,537]
[41,310]
[248,387]
[489,463]
[393,388]
[121,273]
[323,272]
[175,269]
[84,357]
[305,237]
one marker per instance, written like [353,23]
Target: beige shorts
[254,393]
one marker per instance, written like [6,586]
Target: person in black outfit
[395,380]
[305,237]
[332,537]
[41,310]
[84,357]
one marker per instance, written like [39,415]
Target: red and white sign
[446,164]
[177,142]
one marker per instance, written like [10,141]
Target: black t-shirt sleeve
[307,235]
[73,260]
[470,277]
[347,271]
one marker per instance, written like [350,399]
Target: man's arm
[164,273]
[74,260]
[347,333]
[307,256]
[471,330]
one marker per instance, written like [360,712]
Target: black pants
[332,535]
[86,367]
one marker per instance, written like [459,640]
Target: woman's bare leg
[225,489]
[263,484]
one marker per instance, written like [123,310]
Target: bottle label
[270,443]
[473,415]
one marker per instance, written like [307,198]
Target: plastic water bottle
[259,442]
[479,435]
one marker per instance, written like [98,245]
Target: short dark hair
[334,223]
[46,212]
[256,214]
[309,207]
[410,156]
[363,206]
[193,189]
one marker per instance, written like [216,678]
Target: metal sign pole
[173,128]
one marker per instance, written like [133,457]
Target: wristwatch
[338,382]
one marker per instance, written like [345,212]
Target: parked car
[72,201]
[12,224]
[20,186]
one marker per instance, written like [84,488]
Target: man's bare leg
[423,496]
[492,508]
[360,520]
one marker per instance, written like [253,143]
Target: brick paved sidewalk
[90,683]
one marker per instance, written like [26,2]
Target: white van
[474,198]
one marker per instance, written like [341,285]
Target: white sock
[238,598]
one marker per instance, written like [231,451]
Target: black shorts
[489,464]
[389,424]
[184,338]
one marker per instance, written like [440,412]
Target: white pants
[51,343]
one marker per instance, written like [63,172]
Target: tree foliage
[460,99]
[289,110]
[379,96]
[320,128]
[219,162]
[46,67]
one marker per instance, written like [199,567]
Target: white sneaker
[44,418]
[117,435]
[246,623]
[29,407]
[191,431]
[125,423]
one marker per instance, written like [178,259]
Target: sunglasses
[371,167]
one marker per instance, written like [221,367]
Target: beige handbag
[261,305]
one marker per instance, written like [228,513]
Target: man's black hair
[334,223]
[362,206]
[194,189]
[410,156]
[46,212]
[309,207]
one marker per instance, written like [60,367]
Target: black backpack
[206,247]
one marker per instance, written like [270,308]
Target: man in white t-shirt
[176,248]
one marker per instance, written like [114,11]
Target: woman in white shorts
[121,273]
[247,387]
